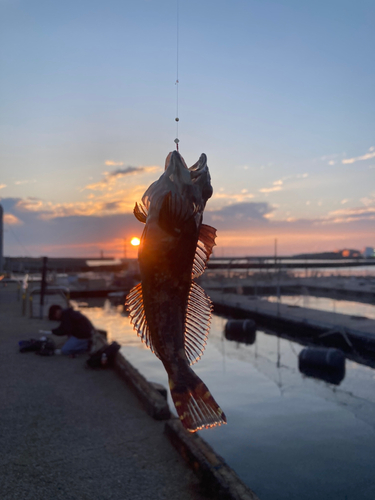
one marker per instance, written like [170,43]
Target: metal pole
[277,270]
[275,252]
[43,286]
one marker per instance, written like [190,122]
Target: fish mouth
[175,161]
[200,176]
[174,158]
[192,184]
[199,168]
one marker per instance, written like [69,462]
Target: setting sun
[135,242]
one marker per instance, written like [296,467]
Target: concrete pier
[72,433]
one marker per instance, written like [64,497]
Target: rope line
[27,253]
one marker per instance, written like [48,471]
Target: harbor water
[288,436]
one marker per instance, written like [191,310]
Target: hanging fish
[170,312]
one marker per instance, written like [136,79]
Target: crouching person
[75,325]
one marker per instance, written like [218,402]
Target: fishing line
[177,81]
[27,253]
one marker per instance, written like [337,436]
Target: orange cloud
[114,163]
[111,179]
[271,189]
[221,198]
[292,237]
[12,220]
[108,204]
[116,247]
[110,196]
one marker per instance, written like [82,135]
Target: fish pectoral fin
[134,306]
[140,212]
[174,212]
[205,245]
[197,323]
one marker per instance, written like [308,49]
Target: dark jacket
[75,324]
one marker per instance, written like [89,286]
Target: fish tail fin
[195,405]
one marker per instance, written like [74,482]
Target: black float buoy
[327,364]
[241,330]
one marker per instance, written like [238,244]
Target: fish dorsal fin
[135,308]
[206,242]
[197,323]
[140,212]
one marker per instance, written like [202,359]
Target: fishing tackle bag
[44,347]
[29,345]
[47,348]
[104,357]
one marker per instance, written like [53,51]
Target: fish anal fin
[206,242]
[197,323]
[140,212]
[134,306]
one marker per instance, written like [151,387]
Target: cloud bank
[246,228]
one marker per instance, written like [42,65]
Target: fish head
[192,185]
[199,179]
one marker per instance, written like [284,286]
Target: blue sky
[279,95]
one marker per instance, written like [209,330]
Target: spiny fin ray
[135,308]
[206,242]
[140,212]
[197,326]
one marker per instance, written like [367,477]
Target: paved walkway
[76,434]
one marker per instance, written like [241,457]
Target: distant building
[1,238]
[349,253]
[368,252]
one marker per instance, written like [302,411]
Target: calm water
[288,436]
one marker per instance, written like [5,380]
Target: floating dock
[353,333]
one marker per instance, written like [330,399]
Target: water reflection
[288,436]
[323,363]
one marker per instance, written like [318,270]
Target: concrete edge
[152,399]
[210,467]
[155,404]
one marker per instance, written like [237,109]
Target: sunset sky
[280,96]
